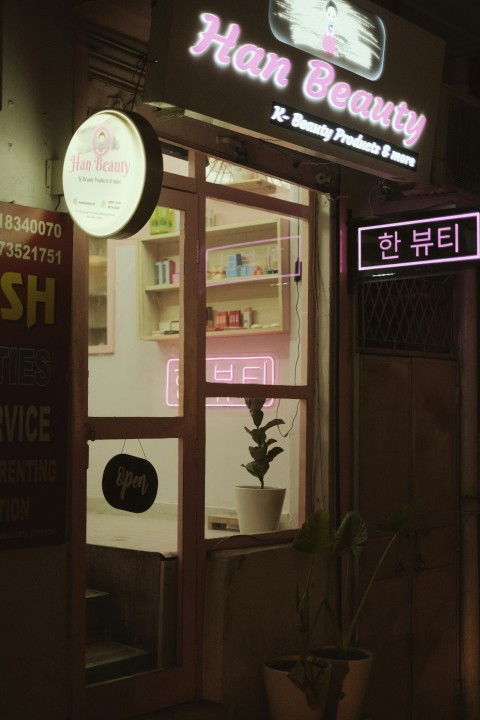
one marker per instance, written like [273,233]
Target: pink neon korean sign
[238,369]
[421,244]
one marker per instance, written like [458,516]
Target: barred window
[407,315]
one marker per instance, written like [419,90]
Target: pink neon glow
[319,85]
[248,58]
[253,278]
[256,62]
[443,235]
[238,369]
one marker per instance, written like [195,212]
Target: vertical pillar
[469,508]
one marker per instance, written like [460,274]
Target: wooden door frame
[128,697]
[176,687]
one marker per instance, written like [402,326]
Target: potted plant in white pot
[350,665]
[297,685]
[259,507]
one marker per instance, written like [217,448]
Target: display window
[213,309]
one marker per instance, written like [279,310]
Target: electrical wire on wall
[297,359]
[119,66]
[321,300]
[297,279]
[140,72]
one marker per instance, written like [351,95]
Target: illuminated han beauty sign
[112,174]
[398,248]
[319,84]
[241,369]
[335,30]
[292,67]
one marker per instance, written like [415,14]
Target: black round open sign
[129,483]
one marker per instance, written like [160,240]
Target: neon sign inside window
[254,265]
[238,369]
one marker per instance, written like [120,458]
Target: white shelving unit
[248,279]
[100,296]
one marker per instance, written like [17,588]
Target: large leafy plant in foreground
[348,541]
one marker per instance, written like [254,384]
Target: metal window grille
[413,315]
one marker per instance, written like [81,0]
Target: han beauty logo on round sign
[129,483]
[112,174]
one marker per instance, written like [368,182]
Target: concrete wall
[35,125]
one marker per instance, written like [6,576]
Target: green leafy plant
[348,541]
[262,453]
[314,537]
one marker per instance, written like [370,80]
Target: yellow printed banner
[35,306]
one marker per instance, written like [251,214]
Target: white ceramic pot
[259,509]
[285,700]
[348,683]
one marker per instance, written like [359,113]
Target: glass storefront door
[211,299]
[140,618]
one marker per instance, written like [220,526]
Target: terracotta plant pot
[259,509]
[285,700]
[349,681]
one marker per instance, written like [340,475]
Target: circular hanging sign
[129,483]
[112,174]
